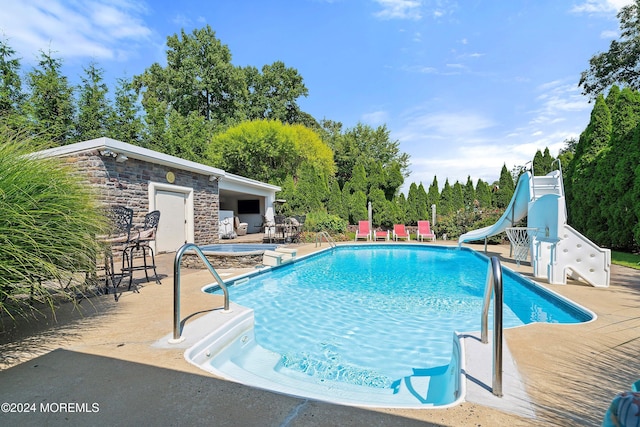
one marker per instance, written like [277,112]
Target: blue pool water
[369,315]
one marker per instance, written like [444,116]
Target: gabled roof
[115,147]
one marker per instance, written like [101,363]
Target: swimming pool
[357,321]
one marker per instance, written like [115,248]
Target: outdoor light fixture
[121,158]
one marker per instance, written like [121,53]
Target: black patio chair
[140,241]
[120,220]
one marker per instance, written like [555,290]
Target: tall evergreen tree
[581,199]
[469,194]
[433,195]
[94,109]
[483,194]
[457,199]
[423,209]
[336,204]
[11,95]
[413,200]
[445,207]
[125,123]
[506,188]
[617,165]
[50,106]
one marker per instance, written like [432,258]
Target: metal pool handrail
[176,287]
[494,283]
[327,237]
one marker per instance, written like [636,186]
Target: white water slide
[557,250]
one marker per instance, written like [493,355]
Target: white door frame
[155,186]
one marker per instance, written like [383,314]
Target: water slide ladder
[558,250]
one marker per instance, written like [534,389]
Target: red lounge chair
[399,232]
[424,231]
[384,235]
[364,231]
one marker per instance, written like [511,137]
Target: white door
[172,228]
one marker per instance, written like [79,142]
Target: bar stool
[140,240]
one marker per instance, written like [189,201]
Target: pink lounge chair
[379,234]
[424,231]
[400,232]
[364,231]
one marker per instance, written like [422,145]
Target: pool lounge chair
[424,231]
[379,234]
[364,231]
[400,232]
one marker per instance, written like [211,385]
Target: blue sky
[464,86]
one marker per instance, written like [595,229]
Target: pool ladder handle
[494,283]
[176,287]
[327,237]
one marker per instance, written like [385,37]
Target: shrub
[322,221]
[48,223]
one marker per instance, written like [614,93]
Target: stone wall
[127,184]
[222,261]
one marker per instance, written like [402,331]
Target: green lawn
[625,259]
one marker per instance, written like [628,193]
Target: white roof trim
[248,182]
[133,152]
[141,153]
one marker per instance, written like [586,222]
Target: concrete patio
[100,356]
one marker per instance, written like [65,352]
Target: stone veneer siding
[127,184]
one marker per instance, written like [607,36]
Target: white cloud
[609,34]
[376,118]
[600,6]
[100,30]
[399,9]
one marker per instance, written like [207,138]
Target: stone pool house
[192,198]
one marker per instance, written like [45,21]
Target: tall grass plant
[48,223]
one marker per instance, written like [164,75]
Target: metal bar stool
[140,240]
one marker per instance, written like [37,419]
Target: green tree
[581,200]
[273,94]
[94,109]
[483,194]
[433,195]
[542,163]
[469,194]
[445,207]
[273,149]
[619,64]
[457,199]
[186,137]
[382,212]
[413,201]
[358,209]
[615,174]
[198,77]
[125,123]
[358,180]
[11,95]
[335,204]
[50,106]
[367,146]
[267,145]
[423,209]
[312,189]
[506,188]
